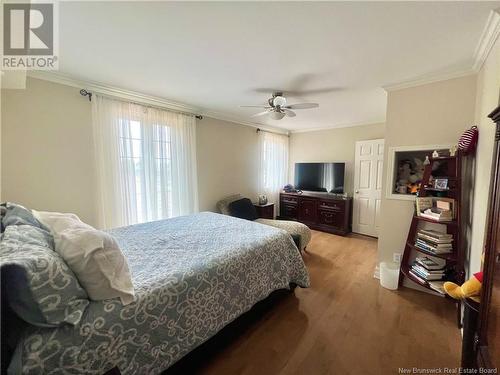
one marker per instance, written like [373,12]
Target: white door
[368,166]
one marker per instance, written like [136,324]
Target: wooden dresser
[320,211]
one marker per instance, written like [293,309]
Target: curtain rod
[269,131]
[84,92]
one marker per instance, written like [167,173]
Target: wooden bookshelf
[452,166]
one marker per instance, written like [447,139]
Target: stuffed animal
[413,188]
[470,289]
[419,169]
[404,170]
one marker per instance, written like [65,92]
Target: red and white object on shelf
[468,141]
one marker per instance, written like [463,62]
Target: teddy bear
[417,173]
[404,172]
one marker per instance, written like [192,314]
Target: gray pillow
[15,214]
[41,288]
[244,209]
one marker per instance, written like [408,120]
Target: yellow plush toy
[470,289]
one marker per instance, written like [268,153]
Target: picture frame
[441,183]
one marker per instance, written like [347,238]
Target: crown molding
[229,118]
[424,80]
[340,126]
[487,40]
[113,91]
[134,96]
[489,35]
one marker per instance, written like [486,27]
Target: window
[273,164]
[151,174]
[146,158]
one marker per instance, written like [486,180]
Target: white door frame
[368,197]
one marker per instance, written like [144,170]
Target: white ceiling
[217,56]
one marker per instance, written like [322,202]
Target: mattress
[192,275]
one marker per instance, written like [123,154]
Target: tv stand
[321,211]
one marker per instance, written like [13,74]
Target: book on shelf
[425,272]
[443,246]
[423,281]
[430,262]
[433,240]
[433,249]
[437,215]
[427,275]
[435,234]
[434,237]
[437,286]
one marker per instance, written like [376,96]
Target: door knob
[357,191]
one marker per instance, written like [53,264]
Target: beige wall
[47,158]
[47,152]
[331,145]
[435,113]
[227,161]
[488,91]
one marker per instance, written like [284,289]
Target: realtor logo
[29,36]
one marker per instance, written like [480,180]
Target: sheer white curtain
[273,164]
[146,162]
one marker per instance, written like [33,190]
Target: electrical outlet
[396,257]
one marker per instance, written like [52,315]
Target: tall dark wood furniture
[471,315]
[488,340]
[451,169]
[320,211]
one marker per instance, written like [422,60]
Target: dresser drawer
[288,210]
[331,218]
[289,200]
[332,205]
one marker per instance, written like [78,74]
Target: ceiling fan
[277,108]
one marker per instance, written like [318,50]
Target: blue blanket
[192,276]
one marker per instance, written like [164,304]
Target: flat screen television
[324,177]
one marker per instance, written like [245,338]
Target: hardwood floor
[344,324]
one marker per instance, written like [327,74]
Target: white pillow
[93,255]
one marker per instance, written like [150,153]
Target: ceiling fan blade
[302,106]
[289,113]
[260,114]
[255,106]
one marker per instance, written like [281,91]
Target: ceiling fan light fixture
[277,115]
[277,108]
[279,101]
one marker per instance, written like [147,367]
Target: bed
[192,275]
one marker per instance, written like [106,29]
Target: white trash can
[389,275]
